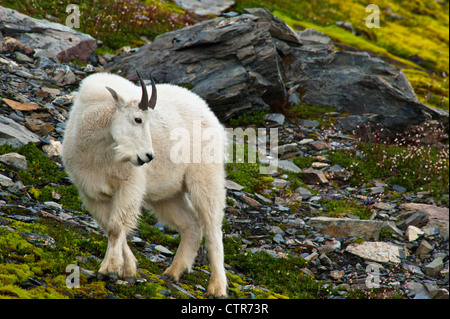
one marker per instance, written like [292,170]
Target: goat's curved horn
[152,101]
[143,104]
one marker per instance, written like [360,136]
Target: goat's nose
[150,157]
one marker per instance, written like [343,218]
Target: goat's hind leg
[179,213]
[209,201]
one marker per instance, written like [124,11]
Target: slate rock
[15,134]
[64,42]
[434,267]
[39,239]
[313,176]
[355,83]
[413,233]
[231,62]
[249,62]
[437,216]
[377,251]
[347,227]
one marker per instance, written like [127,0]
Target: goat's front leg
[119,260]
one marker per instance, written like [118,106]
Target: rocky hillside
[359,214]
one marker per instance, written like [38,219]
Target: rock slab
[347,227]
[377,251]
[64,42]
[437,216]
[14,134]
[249,62]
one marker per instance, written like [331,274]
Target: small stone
[434,267]
[338,172]
[276,230]
[287,148]
[399,189]
[163,250]
[311,257]
[337,274]
[233,185]
[14,160]
[304,193]
[250,201]
[415,219]
[6,181]
[52,204]
[53,149]
[279,183]
[412,233]
[288,166]
[312,176]
[319,165]
[384,206]
[324,260]
[442,294]
[320,145]
[38,126]
[278,239]
[263,199]
[306,141]
[309,123]
[276,117]
[23,58]
[376,190]
[39,239]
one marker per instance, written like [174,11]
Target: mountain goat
[118,151]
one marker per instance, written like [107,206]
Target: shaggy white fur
[107,141]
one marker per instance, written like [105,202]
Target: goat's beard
[123,154]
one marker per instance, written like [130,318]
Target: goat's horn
[152,101]
[143,105]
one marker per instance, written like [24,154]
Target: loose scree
[116,151]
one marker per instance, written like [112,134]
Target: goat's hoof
[167,277]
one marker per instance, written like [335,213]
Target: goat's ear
[119,100]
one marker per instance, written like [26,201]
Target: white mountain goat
[118,150]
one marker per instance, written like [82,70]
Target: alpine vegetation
[117,151]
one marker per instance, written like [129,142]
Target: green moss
[41,169]
[152,234]
[281,275]
[417,168]
[256,118]
[339,208]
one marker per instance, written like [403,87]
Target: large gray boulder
[58,39]
[355,83]
[250,62]
[232,63]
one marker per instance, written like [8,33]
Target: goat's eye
[138,120]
